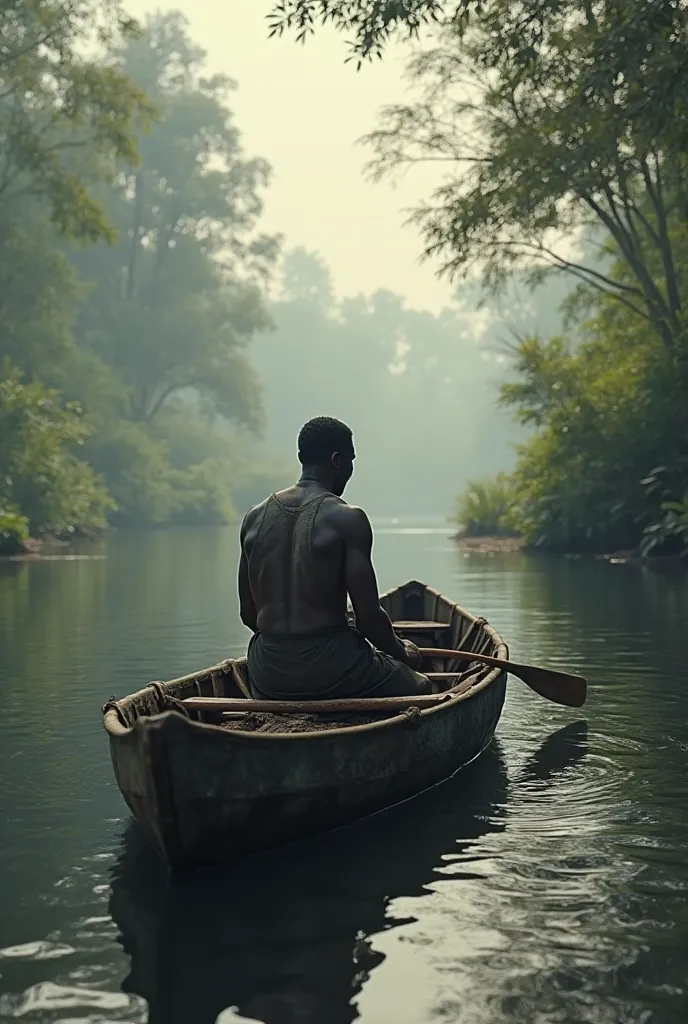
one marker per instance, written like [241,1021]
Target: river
[546,884]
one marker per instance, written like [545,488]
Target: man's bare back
[319,607]
[302,551]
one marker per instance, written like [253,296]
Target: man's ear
[336,460]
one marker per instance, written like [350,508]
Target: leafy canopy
[65,114]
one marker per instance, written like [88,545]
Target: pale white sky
[302,108]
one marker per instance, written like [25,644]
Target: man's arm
[371,619]
[247,607]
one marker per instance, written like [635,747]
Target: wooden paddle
[559,687]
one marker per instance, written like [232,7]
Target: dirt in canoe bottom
[254,722]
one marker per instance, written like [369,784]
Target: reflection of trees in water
[286,938]
[38,601]
[48,617]
[582,596]
[617,625]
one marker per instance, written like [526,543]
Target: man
[302,550]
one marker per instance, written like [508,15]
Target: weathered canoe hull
[217,796]
[206,795]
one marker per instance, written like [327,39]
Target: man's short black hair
[321,437]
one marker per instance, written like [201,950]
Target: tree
[178,297]
[608,447]
[563,127]
[64,115]
[306,278]
[43,487]
[534,163]
[626,51]
[370,24]
[172,305]
[147,330]
[64,118]
[38,293]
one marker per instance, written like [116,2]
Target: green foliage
[61,104]
[147,490]
[14,531]
[605,415]
[667,529]
[132,351]
[638,56]
[39,291]
[136,469]
[42,483]
[174,303]
[546,143]
[484,508]
[201,495]
[670,532]
[176,300]
[370,24]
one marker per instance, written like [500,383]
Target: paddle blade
[559,687]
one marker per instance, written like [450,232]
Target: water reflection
[560,898]
[285,938]
[558,752]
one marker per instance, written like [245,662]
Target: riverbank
[495,544]
[490,544]
[35,549]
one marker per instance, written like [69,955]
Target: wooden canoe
[205,794]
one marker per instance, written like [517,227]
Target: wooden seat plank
[421,625]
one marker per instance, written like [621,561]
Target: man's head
[326,448]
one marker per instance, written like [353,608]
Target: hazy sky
[302,108]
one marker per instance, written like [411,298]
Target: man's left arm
[247,606]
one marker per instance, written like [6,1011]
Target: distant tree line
[419,388]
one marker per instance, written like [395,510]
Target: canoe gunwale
[115,728]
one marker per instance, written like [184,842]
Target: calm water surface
[546,883]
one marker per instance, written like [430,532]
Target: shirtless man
[302,551]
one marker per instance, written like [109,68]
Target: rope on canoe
[112,705]
[413,718]
[476,624]
[168,702]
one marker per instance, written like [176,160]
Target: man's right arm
[371,619]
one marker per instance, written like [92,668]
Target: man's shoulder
[347,517]
[253,514]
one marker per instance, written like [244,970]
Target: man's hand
[414,659]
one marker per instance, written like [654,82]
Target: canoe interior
[420,614]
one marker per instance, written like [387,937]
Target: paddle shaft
[559,687]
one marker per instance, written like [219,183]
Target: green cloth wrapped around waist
[335,664]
